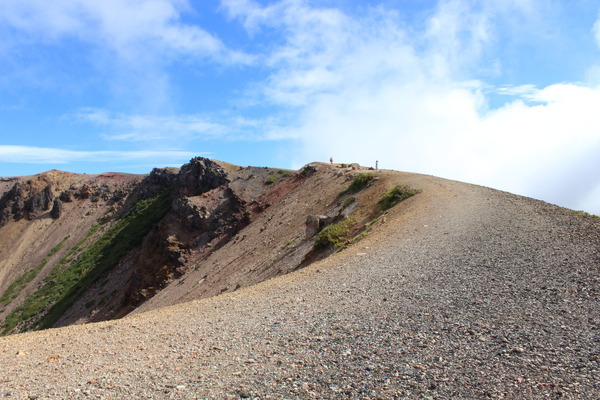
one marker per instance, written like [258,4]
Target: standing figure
[331,160]
[376,165]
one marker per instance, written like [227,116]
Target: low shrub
[360,182]
[335,235]
[395,195]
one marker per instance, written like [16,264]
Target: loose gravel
[462,292]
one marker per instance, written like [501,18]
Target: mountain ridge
[459,292]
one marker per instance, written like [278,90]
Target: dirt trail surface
[464,292]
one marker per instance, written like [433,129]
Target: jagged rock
[194,178]
[315,223]
[193,216]
[84,192]
[308,169]
[163,176]
[57,209]
[199,176]
[355,166]
[21,201]
[66,196]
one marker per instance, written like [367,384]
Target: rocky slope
[81,248]
[460,292]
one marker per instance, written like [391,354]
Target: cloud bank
[372,88]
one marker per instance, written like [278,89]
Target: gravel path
[463,292]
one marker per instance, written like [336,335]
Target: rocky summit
[333,281]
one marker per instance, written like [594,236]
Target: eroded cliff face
[91,248]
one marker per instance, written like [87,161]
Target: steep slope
[165,238]
[463,292]
[46,216]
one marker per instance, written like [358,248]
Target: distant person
[331,160]
[376,165]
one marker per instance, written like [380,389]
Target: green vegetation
[395,195]
[586,214]
[19,284]
[69,280]
[348,201]
[359,182]
[335,235]
[270,180]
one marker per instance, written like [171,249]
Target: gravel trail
[463,293]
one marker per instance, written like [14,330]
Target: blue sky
[504,94]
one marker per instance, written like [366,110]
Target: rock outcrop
[23,200]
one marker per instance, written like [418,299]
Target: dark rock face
[57,209]
[22,201]
[163,176]
[205,212]
[194,178]
[199,176]
[66,196]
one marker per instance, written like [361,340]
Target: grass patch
[359,182]
[335,235]
[66,283]
[15,288]
[586,214]
[348,201]
[270,180]
[395,195]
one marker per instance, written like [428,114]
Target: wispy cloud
[45,155]
[146,128]
[180,129]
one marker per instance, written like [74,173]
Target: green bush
[336,235]
[270,180]
[395,195]
[359,182]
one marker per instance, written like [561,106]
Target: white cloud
[367,88]
[45,155]
[128,27]
[596,31]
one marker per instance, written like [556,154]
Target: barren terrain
[459,292]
